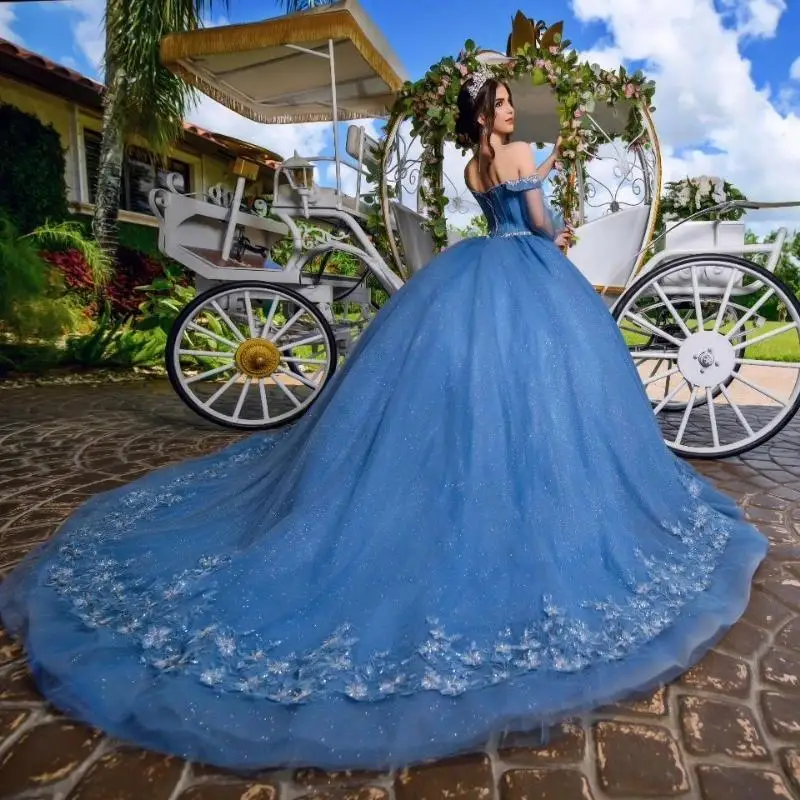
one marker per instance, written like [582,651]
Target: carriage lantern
[300,173]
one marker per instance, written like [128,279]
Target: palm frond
[70,235]
[152,101]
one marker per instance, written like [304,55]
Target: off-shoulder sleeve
[540,218]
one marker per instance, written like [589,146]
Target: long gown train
[477,527]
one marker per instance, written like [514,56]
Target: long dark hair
[468,128]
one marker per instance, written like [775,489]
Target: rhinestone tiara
[476,80]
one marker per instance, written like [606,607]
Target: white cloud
[88,29]
[309,139]
[706,97]
[755,18]
[7,20]
[794,70]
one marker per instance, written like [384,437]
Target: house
[72,104]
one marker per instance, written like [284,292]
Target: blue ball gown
[476,528]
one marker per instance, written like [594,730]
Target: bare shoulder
[470,171]
[520,157]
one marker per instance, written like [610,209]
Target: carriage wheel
[731,401]
[662,318]
[250,355]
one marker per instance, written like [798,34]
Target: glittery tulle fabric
[476,528]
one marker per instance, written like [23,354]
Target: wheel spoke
[298,376]
[293,360]
[228,321]
[270,316]
[288,325]
[753,310]
[764,336]
[317,337]
[758,362]
[251,320]
[237,412]
[653,328]
[286,391]
[759,389]
[686,414]
[671,308]
[698,303]
[664,355]
[661,377]
[725,299]
[206,353]
[211,335]
[222,389]
[262,391]
[210,373]
[712,416]
[670,397]
[736,410]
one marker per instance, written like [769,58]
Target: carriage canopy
[279,70]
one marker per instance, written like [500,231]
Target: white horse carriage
[257,345]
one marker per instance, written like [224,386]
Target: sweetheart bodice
[506,209]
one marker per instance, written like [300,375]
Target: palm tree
[142,97]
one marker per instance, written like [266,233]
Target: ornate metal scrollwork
[630,181]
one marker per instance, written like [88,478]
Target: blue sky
[421,31]
[727,71]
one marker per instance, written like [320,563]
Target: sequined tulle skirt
[476,528]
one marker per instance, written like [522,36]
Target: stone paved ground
[728,730]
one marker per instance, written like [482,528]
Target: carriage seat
[607,247]
[416,240]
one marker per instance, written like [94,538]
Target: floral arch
[536,56]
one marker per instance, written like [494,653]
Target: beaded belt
[511,233]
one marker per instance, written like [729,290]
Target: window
[141,172]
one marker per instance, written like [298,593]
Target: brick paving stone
[744,639]
[653,706]
[545,784]
[16,684]
[9,649]
[765,611]
[789,635]
[565,743]
[716,728]
[786,590]
[720,674]
[730,783]
[238,790]
[790,760]
[363,793]
[467,778]
[781,668]
[314,778]
[45,755]
[129,774]
[782,714]
[639,760]
[11,719]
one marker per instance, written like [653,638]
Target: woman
[477,527]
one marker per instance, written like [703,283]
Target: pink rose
[554,49]
[578,114]
[441,90]
[630,90]
[462,68]
[548,65]
[559,165]
[539,63]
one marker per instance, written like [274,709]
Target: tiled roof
[91,92]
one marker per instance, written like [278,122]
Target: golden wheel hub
[257,358]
